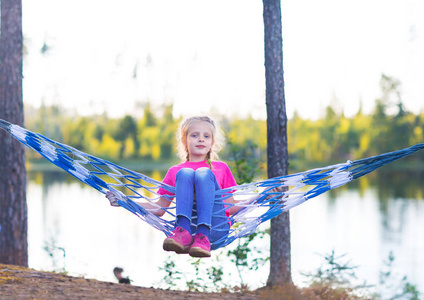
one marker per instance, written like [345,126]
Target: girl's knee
[203,173]
[185,174]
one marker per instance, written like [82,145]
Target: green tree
[386,130]
[167,136]
[74,132]
[127,129]
[328,134]
[149,118]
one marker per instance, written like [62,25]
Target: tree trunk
[13,207]
[280,264]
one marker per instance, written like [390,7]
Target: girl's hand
[112,198]
[278,189]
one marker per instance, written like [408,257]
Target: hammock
[260,200]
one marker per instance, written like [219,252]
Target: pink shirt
[222,173]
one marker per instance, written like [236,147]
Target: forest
[150,137]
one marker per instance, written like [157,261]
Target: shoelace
[177,230]
[202,239]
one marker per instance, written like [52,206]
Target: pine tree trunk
[13,207]
[280,263]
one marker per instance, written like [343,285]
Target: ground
[24,283]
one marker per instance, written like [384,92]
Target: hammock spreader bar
[260,200]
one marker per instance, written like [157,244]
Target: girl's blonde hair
[217,138]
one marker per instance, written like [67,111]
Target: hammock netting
[261,200]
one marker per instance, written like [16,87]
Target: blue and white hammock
[128,185]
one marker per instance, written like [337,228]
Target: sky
[204,55]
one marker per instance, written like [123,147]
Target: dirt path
[23,283]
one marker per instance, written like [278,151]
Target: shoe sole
[199,252]
[172,245]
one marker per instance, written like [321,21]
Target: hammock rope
[261,200]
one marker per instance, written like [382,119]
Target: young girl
[200,218]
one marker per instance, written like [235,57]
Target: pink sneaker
[179,241]
[201,246]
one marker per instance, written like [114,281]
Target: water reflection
[367,219]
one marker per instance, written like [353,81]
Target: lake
[72,227]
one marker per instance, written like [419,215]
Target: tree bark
[13,206]
[280,263]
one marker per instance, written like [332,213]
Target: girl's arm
[155,209]
[161,202]
[235,208]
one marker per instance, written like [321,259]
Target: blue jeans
[204,208]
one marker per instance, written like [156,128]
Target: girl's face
[199,140]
